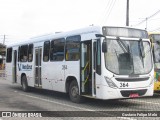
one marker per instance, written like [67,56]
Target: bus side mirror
[104,47]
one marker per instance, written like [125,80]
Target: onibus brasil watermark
[21,114]
[139,114]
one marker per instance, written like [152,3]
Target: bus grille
[127,93]
[132,79]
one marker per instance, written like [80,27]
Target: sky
[24,19]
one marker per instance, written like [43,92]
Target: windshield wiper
[142,51]
[127,52]
[131,58]
[122,45]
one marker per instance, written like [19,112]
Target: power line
[155,19]
[157,29]
[108,10]
[111,8]
[145,20]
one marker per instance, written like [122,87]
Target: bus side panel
[30,78]
[47,72]
[30,74]
[18,74]
[56,73]
[8,72]
[73,69]
[27,72]
[9,69]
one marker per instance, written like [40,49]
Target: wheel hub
[74,91]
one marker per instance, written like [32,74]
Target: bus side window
[46,51]
[9,55]
[30,53]
[73,48]
[57,50]
[24,53]
[98,58]
[19,49]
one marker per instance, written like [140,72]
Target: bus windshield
[126,57]
[155,38]
[156,50]
[156,53]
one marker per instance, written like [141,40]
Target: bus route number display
[124,85]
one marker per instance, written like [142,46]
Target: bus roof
[90,29]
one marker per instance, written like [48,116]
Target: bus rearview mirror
[104,47]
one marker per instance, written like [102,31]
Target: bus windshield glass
[155,37]
[125,32]
[126,57]
[156,49]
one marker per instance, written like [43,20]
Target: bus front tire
[74,93]
[25,87]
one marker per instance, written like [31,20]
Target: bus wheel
[24,84]
[74,92]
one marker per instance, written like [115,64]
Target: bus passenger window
[57,49]
[73,48]
[46,51]
[24,53]
[30,53]
[19,50]
[9,55]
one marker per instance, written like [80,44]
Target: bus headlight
[110,83]
[152,81]
[155,80]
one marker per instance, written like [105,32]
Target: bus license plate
[134,95]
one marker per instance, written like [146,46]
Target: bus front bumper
[105,92]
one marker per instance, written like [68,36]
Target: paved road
[12,98]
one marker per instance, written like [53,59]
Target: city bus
[155,40]
[101,62]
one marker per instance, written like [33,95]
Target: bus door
[15,66]
[38,56]
[86,68]
[94,61]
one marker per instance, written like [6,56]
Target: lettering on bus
[22,67]
[124,85]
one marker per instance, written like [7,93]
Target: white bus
[97,62]
[155,40]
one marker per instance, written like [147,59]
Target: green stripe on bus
[157,75]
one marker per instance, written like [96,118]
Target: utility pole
[4,39]
[146,23]
[127,14]
[147,18]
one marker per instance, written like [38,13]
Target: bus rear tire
[74,93]
[25,87]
